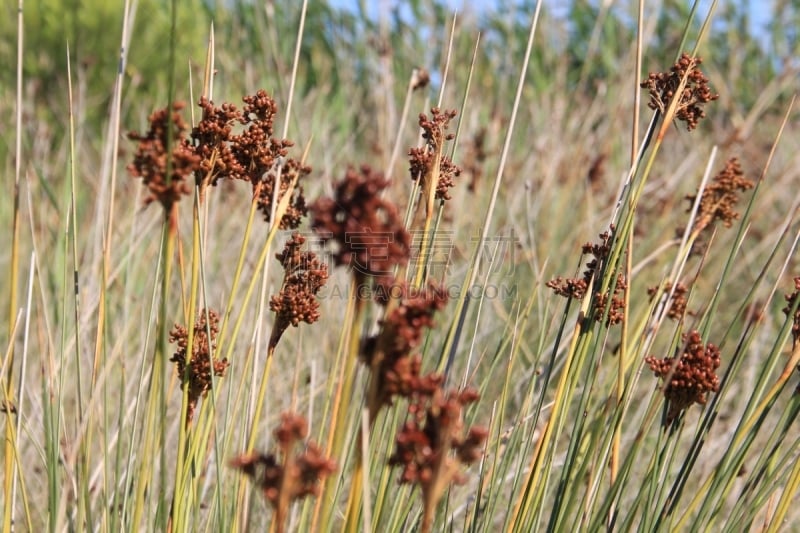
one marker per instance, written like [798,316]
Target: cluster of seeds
[720,197]
[423,160]
[286,476]
[366,229]
[304,276]
[195,371]
[432,445]
[215,151]
[689,378]
[678,301]
[664,86]
[578,287]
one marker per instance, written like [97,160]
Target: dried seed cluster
[212,141]
[677,304]
[151,157]
[304,276]
[663,87]
[720,197]
[423,159]
[196,372]
[395,371]
[287,476]
[578,287]
[432,445]
[691,377]
[215,151]
[616,312]
[366,229]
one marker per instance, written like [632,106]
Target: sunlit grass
[516,300]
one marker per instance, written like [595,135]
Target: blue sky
[759,9]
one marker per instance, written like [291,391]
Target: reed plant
[573,306]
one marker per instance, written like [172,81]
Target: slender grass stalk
[462,305]
[180,510]
[344,393]
[12,434]
[623,349]
[185,467]
[84,518]
[332,405]
[8,448]
[788,495]
[108,241]
[430,181]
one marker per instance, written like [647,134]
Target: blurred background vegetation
[349,54]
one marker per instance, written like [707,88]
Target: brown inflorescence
[217,152]
[791,299]
[212,142]
[720,197]
[284,477]
[677,306]
[475,158]
[432,446]
[150,162]
[196,372]
[367,230]
[304,276]
[569,287]
[290,170]
[616,312]
[264,159]
[690,378]
[423,158]
[577,287]
[395,371]
[662,87]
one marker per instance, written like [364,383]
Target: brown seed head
[196,374]
[366,229]
[150,160]
[720,197]
[689,378]
[663,87]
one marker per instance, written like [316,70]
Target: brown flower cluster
[196,372]
[720,197]
[662,87]
[289,170]
[367,230]
[304,276]
[217,152]
[677,305]
[578,287]
[264,158]
[475,158]
[423,159]
[285,477]
[395,371]
[212,142]
[616,313]
[433,445]
[791,299]
[151,158]
[690,378]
